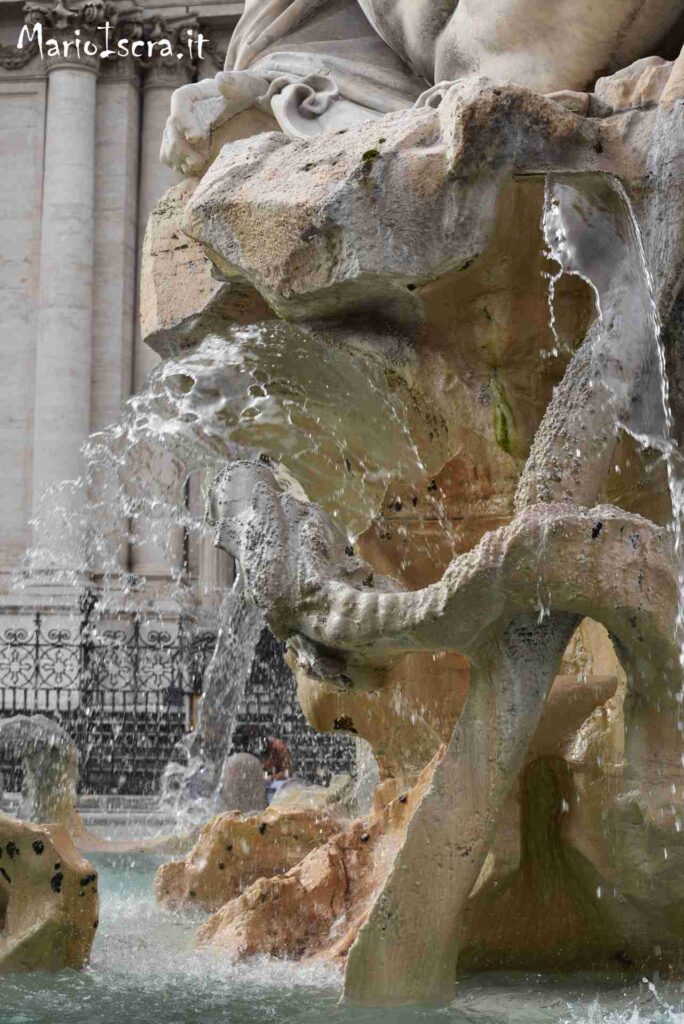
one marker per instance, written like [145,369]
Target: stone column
[116,194]
[64,322]
[163,76]
[117,138]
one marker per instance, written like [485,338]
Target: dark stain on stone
[12,850]
[403,798]
[345,724]
[56,882]
[262,827]
[5,876]
[38,847]
[596,529]
[221,866]
[86,880]
[365,837]
[229,847]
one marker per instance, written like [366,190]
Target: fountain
[505,259]
[419,306]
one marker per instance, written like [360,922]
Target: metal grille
[271,703]
[124,695]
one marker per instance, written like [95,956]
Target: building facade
[80,136]
[79,164]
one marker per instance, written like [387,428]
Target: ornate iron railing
[124,694]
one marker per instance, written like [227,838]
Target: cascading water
[337,427]
[592,232]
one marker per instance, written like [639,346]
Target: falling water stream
[592,232]
[339,424]
[336,427]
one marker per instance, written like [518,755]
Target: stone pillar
[116,191]
[117,137]
[64,322]
[162,78]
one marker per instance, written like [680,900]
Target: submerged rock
[49,901]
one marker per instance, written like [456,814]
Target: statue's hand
[433,96]
[200,108]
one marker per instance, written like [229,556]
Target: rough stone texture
[242,787]
[414,238]
[48,899]
[233,850]
[315,909]
[181,296]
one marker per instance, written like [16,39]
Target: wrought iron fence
[124,694]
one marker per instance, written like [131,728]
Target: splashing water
[592,232]
[338,427]
[145,968]
[341,425]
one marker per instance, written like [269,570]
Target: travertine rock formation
[48,899]
[233,850]
[316,909]
[413,239]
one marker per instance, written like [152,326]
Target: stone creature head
[231,501]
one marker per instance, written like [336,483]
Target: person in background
[277,765]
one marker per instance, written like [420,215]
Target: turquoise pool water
[145,971]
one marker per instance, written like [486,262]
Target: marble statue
[322,65]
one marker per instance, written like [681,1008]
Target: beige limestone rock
[639,85]
[415,222]
[233,850]
[315,910]
[48,899]
[181,296]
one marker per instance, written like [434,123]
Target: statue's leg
[407,950]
